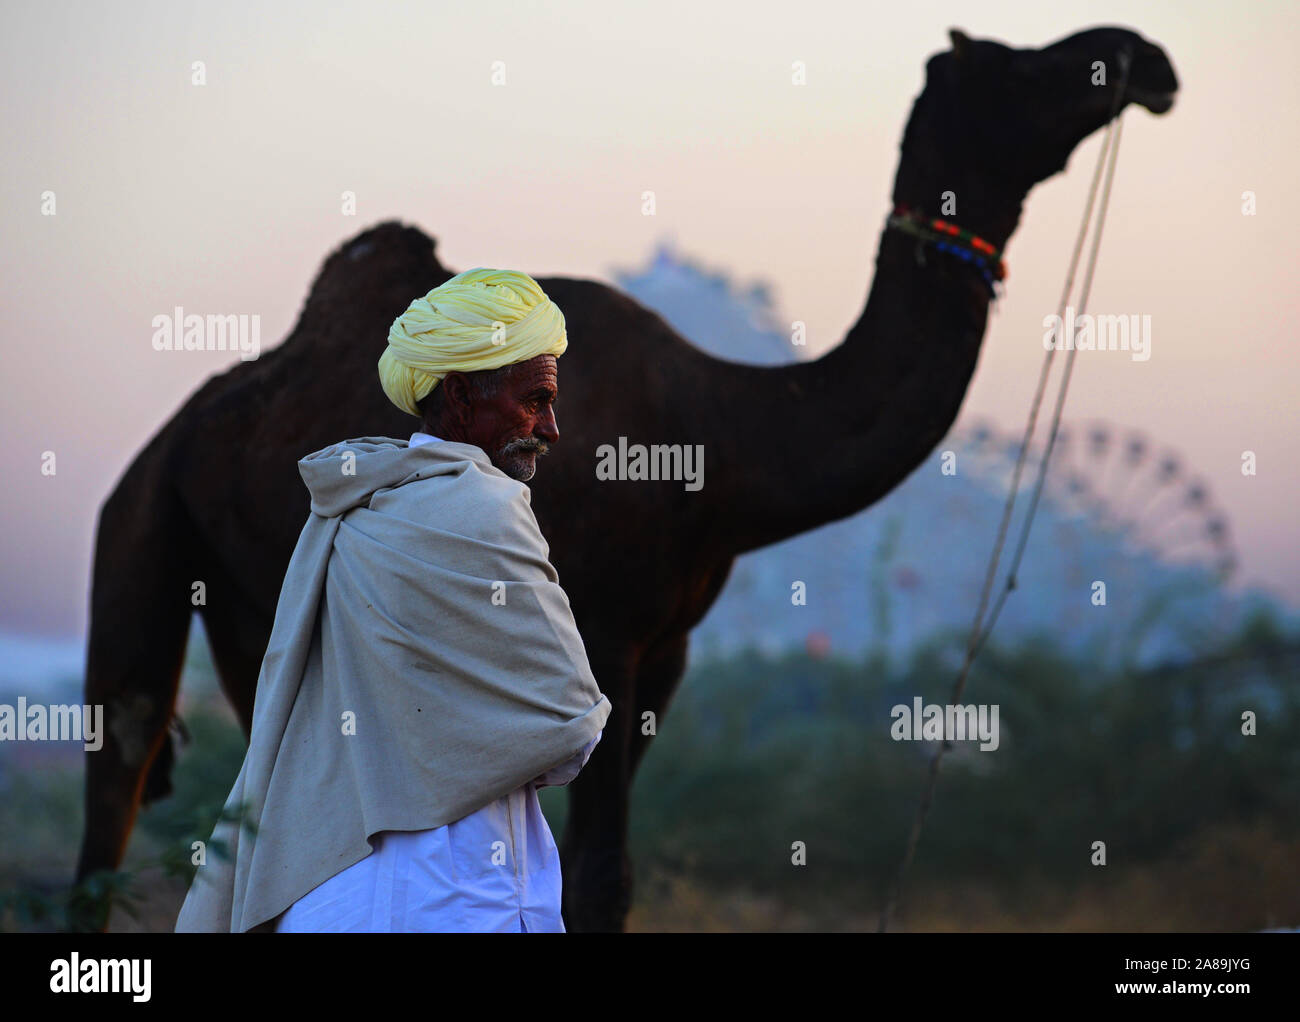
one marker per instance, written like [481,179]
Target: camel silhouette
[216,495]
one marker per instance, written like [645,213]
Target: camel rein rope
[979,630]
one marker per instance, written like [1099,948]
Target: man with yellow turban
[425,675]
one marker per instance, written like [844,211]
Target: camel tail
[140,613]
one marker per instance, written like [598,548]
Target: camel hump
[365,283]
[378,250]
[388,239]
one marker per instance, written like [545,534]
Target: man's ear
[456,405]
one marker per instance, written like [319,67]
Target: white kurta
[494,871]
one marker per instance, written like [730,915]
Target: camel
[216,495]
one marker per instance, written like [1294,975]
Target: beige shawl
[424,662]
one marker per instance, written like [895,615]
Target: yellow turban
[480,319]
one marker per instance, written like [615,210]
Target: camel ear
[961,44]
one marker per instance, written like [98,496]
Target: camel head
[1010,118]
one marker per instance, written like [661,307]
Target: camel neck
[860,419]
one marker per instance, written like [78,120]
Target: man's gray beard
[518,458]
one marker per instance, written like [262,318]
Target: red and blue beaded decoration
[950,238]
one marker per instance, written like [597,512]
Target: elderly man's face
[517,425]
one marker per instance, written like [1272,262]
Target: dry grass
[1228,880]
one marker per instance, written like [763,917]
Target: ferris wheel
[1116,508]
[1120,481]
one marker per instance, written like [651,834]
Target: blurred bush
[758,752]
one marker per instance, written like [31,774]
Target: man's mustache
[530,443]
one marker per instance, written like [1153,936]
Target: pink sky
[225,198]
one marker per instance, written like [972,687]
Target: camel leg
[596,871]
[140,617]
[658,676]
[237,636]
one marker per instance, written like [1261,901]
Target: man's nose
[546,427]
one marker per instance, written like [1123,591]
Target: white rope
[979,632]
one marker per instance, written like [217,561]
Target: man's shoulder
[473,502]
